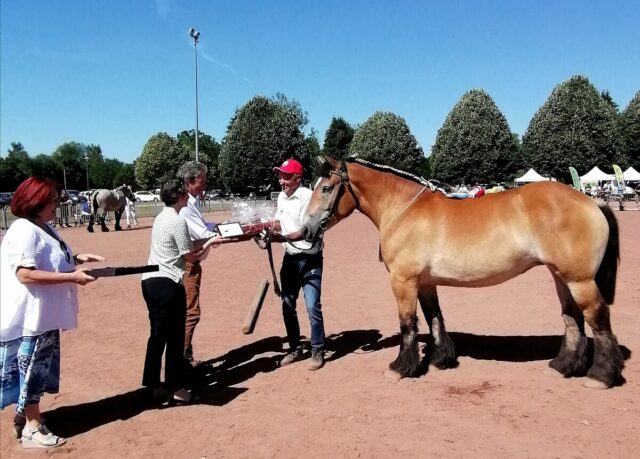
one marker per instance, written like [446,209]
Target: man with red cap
[301,265]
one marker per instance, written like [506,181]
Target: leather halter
[344,184]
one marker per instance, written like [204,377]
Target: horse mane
[397,172]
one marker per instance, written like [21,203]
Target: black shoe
[317,359]
[295,356]
[182,397]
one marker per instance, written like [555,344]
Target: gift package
[248,218]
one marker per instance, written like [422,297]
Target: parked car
[5,198]
[214,194]
[146,196]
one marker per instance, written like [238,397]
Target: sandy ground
[500,402]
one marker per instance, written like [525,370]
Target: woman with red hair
[38,278]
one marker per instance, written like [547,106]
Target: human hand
[203,254]
[81,277]
[214,242]
[277,237]
[85,257]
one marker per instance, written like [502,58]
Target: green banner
[619,176]
[575,178]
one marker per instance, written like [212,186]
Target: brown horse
[428,240]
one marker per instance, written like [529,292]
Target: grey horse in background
[106,200]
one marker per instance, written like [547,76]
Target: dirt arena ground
[500,402]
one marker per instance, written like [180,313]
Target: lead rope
[395,217]
[264,242]
[403,209]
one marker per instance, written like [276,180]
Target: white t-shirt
[290,211]
[30,310]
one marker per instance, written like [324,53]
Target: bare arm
[36,276]
[291,237]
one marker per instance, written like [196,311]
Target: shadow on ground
[215,378]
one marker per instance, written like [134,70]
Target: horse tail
[94,203]
[608,269]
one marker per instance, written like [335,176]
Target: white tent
[631,175]
[531,176]
[596,175]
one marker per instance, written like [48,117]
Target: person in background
[38,277]
[65,206]
[194,176]
[477,191]
[165,295]
[301,266]
[130,210]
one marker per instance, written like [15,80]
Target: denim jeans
[302,271]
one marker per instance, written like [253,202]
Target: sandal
[40,437]
[19,421]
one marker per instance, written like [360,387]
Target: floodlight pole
[86,158]
[196,36]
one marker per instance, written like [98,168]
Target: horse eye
[327,189]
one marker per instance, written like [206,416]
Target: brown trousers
[191,279]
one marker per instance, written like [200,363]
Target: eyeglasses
[65,249]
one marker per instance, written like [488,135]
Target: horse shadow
[480,347]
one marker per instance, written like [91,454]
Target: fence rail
[73,215]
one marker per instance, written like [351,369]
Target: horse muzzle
[314,226]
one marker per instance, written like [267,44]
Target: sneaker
[292,357]
[317,359]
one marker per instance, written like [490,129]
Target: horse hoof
[392,375]
[590,383]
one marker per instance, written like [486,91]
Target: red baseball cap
[290,166]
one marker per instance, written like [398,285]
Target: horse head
[123,190]
[328,204]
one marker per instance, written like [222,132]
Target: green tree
[126,176]
[425,168]
[337,139]
[313,146]
[261,134]
[385,138]
[17,166]
[46,166]
[474,143]
[208,153]
[629,130]
[70,156]
[159,161]
[575,127]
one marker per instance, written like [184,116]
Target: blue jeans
[302,271]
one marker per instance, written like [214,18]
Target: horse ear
[321,159]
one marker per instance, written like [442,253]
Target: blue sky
[114,72]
